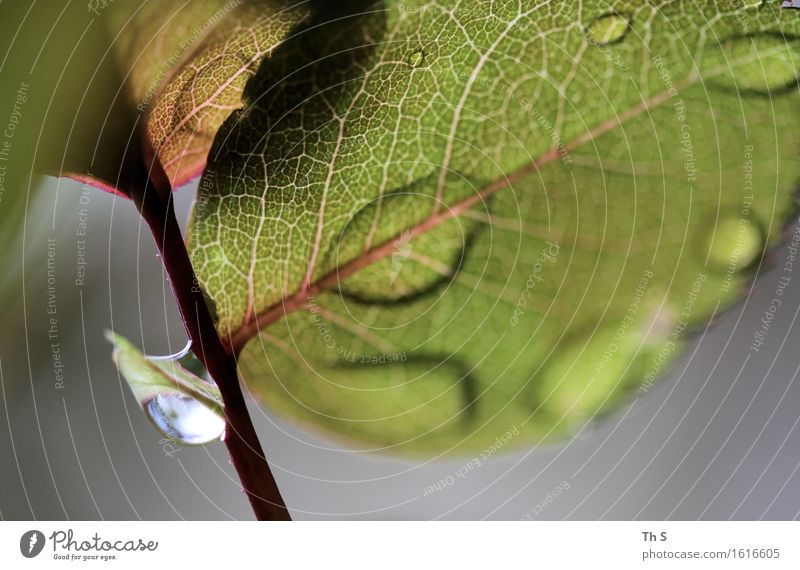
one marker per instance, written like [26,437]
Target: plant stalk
[241,438]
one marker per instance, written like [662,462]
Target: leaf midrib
[299,299]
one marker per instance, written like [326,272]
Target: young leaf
[187,64]
[94,91]
[480,217]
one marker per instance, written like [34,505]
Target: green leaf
[60,112]
[439,222]
[148,377]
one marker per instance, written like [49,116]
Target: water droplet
[416,58]
[177,356]
[735,242]
[755,64]
[608,29]
[186,359]
[590,377]
[184,419]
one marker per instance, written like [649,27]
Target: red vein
[300,299]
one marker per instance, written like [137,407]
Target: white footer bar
[400,545]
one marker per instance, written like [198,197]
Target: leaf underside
[529,206]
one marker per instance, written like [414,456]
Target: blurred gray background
[716,439]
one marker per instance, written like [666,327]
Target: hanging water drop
[416,58]
[184,406]
[608,29]
[184,419]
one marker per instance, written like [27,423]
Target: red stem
[241,439]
